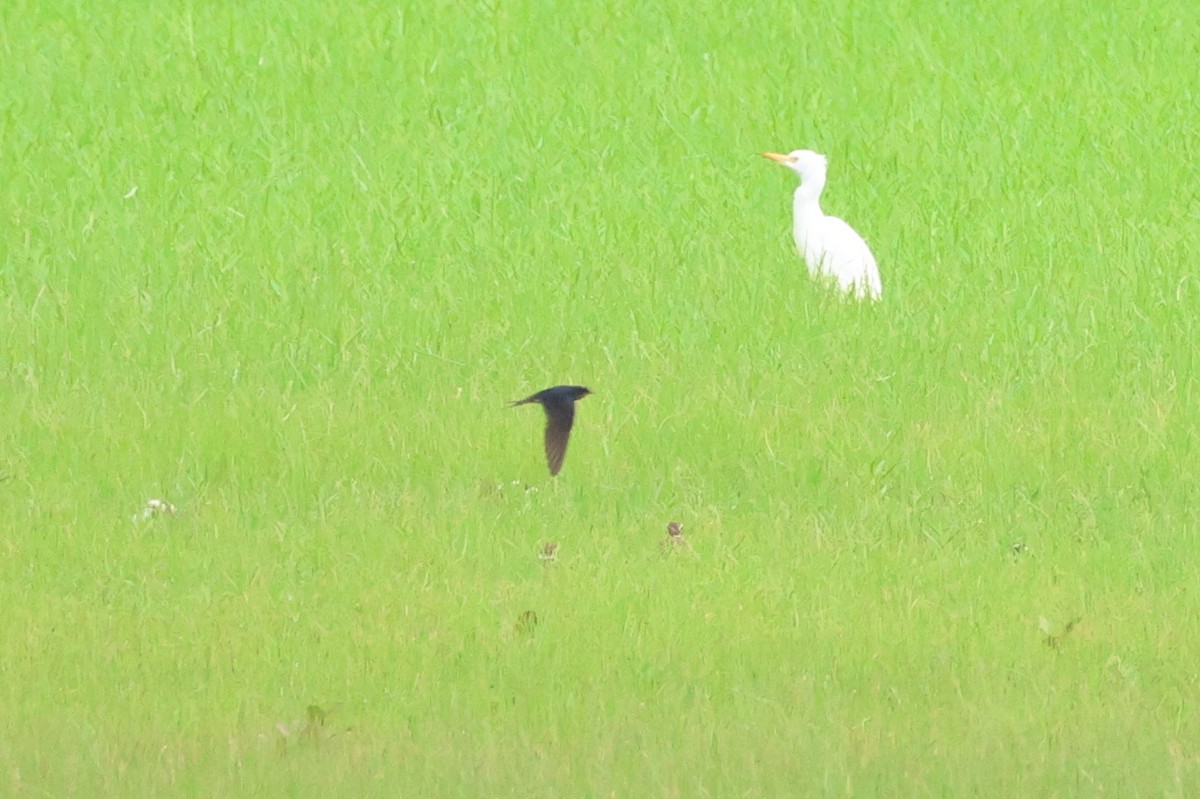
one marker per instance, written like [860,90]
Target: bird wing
[559,418]
[845,255]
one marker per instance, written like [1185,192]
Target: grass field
[284,268]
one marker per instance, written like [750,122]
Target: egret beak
[777,158]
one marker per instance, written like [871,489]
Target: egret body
[829,246]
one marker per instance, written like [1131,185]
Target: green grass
[285,267]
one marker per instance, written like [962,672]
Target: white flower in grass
[153,508]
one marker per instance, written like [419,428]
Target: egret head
[808,165]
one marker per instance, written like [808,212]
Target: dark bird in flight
[559,404]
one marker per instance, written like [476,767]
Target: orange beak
[777,158]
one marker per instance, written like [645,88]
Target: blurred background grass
[285,267]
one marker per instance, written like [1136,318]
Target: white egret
[829,246]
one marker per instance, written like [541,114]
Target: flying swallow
[559,404]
